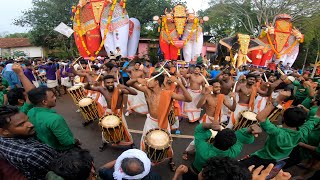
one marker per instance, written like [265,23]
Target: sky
[12,9]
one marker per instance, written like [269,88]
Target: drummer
[114,97]
[159,104]
[212,104]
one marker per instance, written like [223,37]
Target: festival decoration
[239,46]
[280,40]
[101,25]
[180,29]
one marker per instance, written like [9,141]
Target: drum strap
[217,113]
[252,97]
[164,108]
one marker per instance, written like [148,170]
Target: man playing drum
[196,82]
[212,104]
[114,97]
[159,103]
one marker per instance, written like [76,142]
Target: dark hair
[198,66]
[83,61]
[160,78]
[27,63]
[108,77]
[37,95]
[5,113]
[109,65]
[225,139]
[137,61]
[227,72]
[14,95]
[75,164]
[127,168]
[95,67]
[251,76]
[225,168]
[211,82]
[294,117]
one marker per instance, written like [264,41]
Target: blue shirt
[50,71]
[123,73]
[11,77]
[240,73]
[214,73]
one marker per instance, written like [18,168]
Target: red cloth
[272,66]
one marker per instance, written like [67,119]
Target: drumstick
[155,76]
[234,87]
[265,77]
[279,70]
[164,69]
[117,76]
[98,76]
[177,67]
[205,80]
[80,66]
[76,61]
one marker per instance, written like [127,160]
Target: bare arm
[202,101]
[24,80]
[135,84]
[185,96]
[109,165]
[230,106]
[307,146]
[126,90]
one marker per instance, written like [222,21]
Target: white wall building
[10,45]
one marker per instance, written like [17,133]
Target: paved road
[90,136]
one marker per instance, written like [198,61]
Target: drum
[157,143]
[88,109]
[171,116]
[112,129]
[77,93]
[273,117]
[247,118]
[213,134]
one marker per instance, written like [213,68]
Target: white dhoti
[260,103]
[152,123]
[52,83]
[66,82]
[35,83]
[191,147]
[128,140]
[236,114]
[137,103]
[190,109]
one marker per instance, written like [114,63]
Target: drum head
[110,121]
[158,139]
[85,102]
[249,115]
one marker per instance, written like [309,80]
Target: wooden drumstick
[205,80]
[117,76]
[234,87]
[265,77]
[98,76]
[89,65]
[80,66]
[76,61]
[279,70]
[155,76]
[168,74]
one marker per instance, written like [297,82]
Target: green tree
[18,35]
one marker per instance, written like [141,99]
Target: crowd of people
[232,106]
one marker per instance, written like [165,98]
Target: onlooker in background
[65,70]
[206,62]
[28,71]
[52,81]
[242,70]
[11,76]
[124,75]
[118,53]
[272,66]
[200,59]
[215,72]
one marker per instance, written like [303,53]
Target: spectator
[11,76]
[272,66]
[214,73]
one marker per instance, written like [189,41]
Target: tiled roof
[14,42]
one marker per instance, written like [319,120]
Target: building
[10,47]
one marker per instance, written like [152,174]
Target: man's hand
[142,81]
[283,77]
[283,95]
[233,95]
[182,169]
[17,69]
[255,130]
[207,90]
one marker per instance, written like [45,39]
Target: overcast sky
[13,9]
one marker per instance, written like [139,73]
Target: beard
[110,88]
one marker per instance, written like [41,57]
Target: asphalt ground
[90,137]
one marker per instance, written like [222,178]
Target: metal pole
[305,60]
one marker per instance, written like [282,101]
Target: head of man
[224,168]
[16,97]
[156,82]
[132,166]
[28,65]
[225,139]
[95,68]
[251,79]
[76,164]
[42,97]
[14,123]
[113,61]
[294,117]
[147,63]
[197,69]
[108,66]
[216,86]
[109,82]
[226,75]
[137,65]
[83,63]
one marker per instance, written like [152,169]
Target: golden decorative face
[244,41]
[180,18]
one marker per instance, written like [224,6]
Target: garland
[105,32]
[285,52]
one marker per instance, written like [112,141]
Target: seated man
[131,164]
[226,143]
[51,127]
[281,141]
[76,164]
[19,148]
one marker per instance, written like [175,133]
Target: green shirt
[281,141]
[205,150]
[25,108]
[301,92]
[313,111]
[199,60]
[307,102]
[5,84]
[313,140]
[51,128]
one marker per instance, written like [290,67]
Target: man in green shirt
[281,141]
[302,91]
[51,127]
[226,143]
